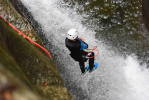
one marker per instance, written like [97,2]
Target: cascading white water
[137,79]
[116,79]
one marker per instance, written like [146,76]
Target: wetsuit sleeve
[84,45]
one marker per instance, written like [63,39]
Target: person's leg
[91,61]
[81,61]
[82,66]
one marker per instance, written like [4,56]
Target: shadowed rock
[145,11]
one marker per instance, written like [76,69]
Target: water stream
[118,77]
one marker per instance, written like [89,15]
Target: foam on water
[137,79]
[116,79]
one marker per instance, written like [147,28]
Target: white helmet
[72,34]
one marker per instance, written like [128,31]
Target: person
[77,48]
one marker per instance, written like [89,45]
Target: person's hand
[89,54]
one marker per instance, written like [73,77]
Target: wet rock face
[145,11]
[17,4]
[29,68]
[21,9]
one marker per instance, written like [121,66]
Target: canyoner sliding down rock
[120,75]
[78,53]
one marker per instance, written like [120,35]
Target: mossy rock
[29,64]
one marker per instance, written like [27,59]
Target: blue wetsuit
[76,48]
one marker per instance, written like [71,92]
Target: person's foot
[83,73]
[91,70]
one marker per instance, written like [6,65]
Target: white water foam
[137,78]
[114,80]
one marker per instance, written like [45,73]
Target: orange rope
[28,38]
[94,49]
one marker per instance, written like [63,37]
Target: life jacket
[83,45]
[77,46]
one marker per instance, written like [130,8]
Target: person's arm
[84,45]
